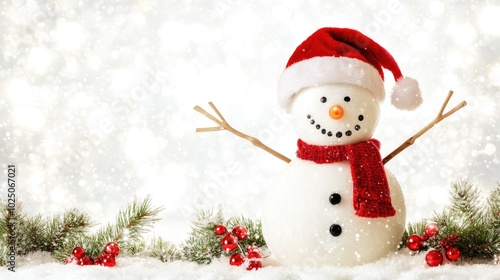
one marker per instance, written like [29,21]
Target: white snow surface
[96,103]
[402,266]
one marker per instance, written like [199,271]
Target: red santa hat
[342,55]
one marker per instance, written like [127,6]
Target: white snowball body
[298,212]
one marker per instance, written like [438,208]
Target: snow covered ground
[96,103]
[40,266]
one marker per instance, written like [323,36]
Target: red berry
[78,252]
[254,255]
[228,243]
[112,248]
[254,265]
[253,252]
[452,239]
[424,237]
[414,242]
[220,229]
[236,259]
[252,248]
[431,229]
[86,260]
[453,254]
[108,260]
[240,232]
[434,258]
[97,261]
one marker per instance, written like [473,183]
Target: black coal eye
[322,99]
[347,99]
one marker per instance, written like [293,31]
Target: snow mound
[399,266]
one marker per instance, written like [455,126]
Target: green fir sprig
[163,250]
[202,245]
[132,222]
[59,234]
[475,221]
[38,233]
[255,236]
[48,234]
[8,229]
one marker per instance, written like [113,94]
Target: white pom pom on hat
[406,94]
[342,55]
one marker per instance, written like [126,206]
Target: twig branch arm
[438,119]
[223,125]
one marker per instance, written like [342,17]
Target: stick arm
[224,125]
[440,116]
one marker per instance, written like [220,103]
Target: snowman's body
[309,217]
[297,221]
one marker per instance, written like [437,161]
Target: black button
[335,198]
[335,230]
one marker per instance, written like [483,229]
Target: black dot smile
[338,134]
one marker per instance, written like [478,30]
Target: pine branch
[416,228]
[3,251]
[8,234]
[202,245]
[475,223]
[164,251]
[479,242]
[493,203]
[136,248]
[466,202]
[201,249]
[5,218]
[50,234]
[254,227]
[205,220]
[61,230]
[131,223]
[59,235]
[28,235]
[41,234]
[134,221]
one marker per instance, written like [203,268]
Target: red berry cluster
[434,257]
[107,258]
[229,243]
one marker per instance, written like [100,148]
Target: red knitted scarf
[371,195]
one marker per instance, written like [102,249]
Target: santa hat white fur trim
[328,70]
[406,94]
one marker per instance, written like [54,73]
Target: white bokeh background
[97,97]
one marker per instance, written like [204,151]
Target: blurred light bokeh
[97,97]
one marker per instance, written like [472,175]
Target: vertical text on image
[11,217]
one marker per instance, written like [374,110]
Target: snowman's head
[334,114]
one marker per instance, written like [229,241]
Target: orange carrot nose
[336,112]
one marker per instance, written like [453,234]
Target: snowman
[335,203]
